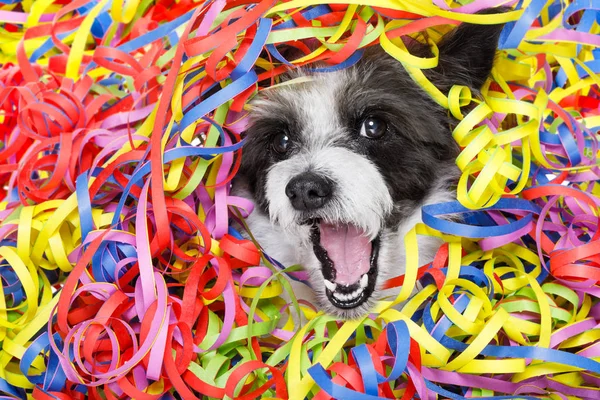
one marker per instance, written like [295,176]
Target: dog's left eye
[373,128]
[281,143]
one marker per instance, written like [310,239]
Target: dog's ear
[466,54]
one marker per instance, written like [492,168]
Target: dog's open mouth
[348,261]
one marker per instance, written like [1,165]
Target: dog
[339,166]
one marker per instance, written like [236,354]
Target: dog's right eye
[281,143]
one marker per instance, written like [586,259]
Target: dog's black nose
[308,191]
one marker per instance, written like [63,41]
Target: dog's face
[342,162]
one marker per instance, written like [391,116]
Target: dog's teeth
[330,285]
[364,281]
[196,141]
[346,297]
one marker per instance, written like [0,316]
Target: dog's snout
[308,191]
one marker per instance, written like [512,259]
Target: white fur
[316,101]
[360,198]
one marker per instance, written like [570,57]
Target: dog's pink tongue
[348,249]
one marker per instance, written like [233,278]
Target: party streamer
[123,270]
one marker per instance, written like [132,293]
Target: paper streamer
[123,271]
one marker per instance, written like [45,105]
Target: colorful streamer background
[123,276]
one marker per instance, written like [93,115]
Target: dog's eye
[373,128]
[281,143]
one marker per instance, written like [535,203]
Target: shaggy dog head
[342,163]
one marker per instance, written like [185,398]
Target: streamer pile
[122,275]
